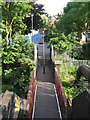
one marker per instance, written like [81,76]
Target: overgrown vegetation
[17,66]
[17,79]
[65,36]
[16,56]
[66,31]
[68,76]
[82,53]
[17,52]
[0,65]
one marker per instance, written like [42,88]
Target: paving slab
[45,104]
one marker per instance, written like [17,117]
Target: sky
[53,7]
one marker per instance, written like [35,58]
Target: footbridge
[45,97]
[46,104]
[49,98]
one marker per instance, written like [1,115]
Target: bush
[68,75]
[86,50]
[77,54]
[18,79]
[82,54]
[17,66]
[21,47]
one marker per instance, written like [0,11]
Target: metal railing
[64,58]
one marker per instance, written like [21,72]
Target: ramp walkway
[45,102]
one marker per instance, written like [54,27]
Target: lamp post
[43,55]
[32,26]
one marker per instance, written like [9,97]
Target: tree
[37,12]
[50,32]
[12,15]
[74,18]
[69,26]
[17,59]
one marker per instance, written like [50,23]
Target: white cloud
[53,7]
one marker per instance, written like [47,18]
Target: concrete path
[39,43]
[45,103]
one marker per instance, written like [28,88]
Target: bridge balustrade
[61,95]
[31,90]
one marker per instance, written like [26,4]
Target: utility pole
[43,55]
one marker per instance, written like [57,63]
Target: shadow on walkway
[46,105]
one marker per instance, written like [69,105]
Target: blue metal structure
[88,35]
[33,38]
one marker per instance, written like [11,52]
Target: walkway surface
[45,104]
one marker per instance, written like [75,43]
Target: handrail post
[43,55]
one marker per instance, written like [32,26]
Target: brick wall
[31,90]
[61,95]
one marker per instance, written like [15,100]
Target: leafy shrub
[18,78]
[77,54]
[20,49]
[83,53]
[66,74]
[86,50]
[82,86]
[17,65]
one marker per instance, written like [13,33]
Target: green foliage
[83,53]
[38,22]
[65,73]
[17,65]
[9,55]
[0,64]
[86,50]
[74,17]
[17,79]
[50,31]
[8,87]
[16,59]
[19,51]
[68,26]
[83,85]
[44,23]
[64,42]
[58,39]
[77,54]
[68,75]
[13,14]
